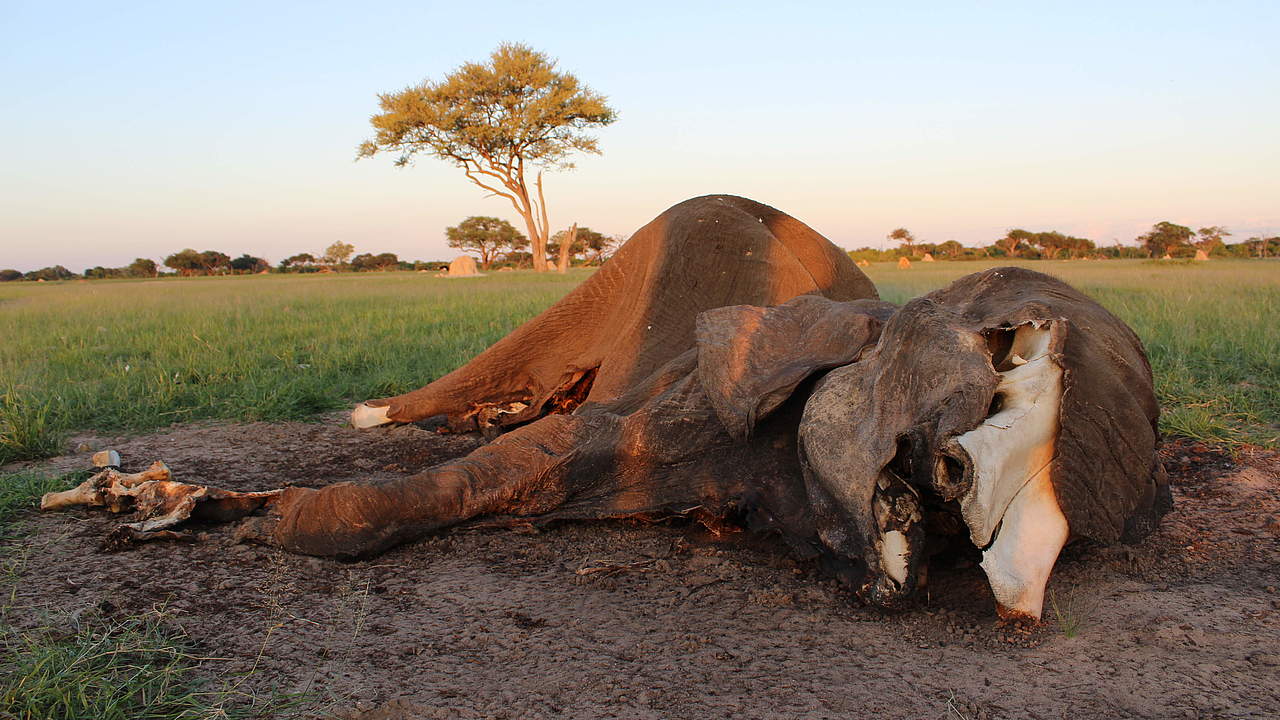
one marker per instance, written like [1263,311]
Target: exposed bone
[1015,443]
[159,502]
[106,458]
[1010,508]
[366,416]
[158,472]
[83,494]
[894,551]
[898,516]
[1020,559]
[96,491]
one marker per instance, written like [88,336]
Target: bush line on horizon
[499,250]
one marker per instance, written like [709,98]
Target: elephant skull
[980,410]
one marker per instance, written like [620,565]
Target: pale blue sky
[137,129]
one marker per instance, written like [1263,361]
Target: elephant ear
[751,359]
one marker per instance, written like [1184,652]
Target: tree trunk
[570,239]
[537,243]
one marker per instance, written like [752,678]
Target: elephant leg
[525,472]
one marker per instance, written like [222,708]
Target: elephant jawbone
[1011,509]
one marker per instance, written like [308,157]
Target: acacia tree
[215,262]
[584,243]
[1012,240]
[186,262]
[488,236]
[382,262]
[907,240]
[1165,237]
[1211,238]
[337,253]
[247,263]
[494,120]
[143,267]
[950,249]
[1262,245]
[596,245]
[302,262]
[1050,243]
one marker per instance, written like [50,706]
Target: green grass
[1072,613]
[110,669]
[19,492]
[134,355]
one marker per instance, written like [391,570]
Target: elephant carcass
[634,315]
[1007,411]
[1007,405]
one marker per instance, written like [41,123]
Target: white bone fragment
[86,493]
[366,416]
[893,555]
[103,486]
[106,458]
[1019,561]
[157,472]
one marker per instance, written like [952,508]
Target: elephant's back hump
[705,253]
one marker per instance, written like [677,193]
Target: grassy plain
[132,355]
[114,356]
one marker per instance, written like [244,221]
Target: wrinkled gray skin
[878,439]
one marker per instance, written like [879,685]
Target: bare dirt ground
[610,620]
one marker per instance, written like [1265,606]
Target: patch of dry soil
[610,620]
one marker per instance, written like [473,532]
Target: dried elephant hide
[731,364]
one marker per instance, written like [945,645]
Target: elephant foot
[368,414]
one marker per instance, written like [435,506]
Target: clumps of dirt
[670,621]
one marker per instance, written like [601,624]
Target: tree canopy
[905,238]
[189,262]
[487,236]
[589,245]
[1013,241]
[1165,238]
[247,263]
[337,253]
[381,262]
[494,121]
[143,267]
[1211,238]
